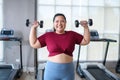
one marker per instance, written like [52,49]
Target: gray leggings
[59,71]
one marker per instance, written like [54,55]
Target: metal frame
[81,69]
[16,73]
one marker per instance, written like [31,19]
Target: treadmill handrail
[19,39]
[107,46]
[83,72]
[103,40]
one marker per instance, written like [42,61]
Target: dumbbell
[28,23]
[90,22]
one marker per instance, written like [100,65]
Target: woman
[60,45]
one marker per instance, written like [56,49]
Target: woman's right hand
[35,24]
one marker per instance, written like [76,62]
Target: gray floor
[31,76]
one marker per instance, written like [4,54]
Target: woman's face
[59,24]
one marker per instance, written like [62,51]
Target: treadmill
[96,71]
[7,72]
[11,71]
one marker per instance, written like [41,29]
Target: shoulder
[45,34]
[75,34]
[72,32]
[48,33]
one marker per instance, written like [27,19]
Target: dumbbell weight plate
[27,22]
[90,22]
[76,23]
[41,24]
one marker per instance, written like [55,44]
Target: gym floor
[31,76]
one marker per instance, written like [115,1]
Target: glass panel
[95,51]
[46,14]
[80,2]
[1,1]
[46,1]
[1,26]
[1,16]
[63,2]
[113,47]
[111,3]
[67,12]
[112,20]
[42,54]
[1,51]
[96,3]
[83,53]
[79,13]
[97,14]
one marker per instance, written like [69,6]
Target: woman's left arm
[86,35]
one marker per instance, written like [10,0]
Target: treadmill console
[94,34]
[7,33]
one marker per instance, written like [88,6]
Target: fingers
[84,23]
[35,24]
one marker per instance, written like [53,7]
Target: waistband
[59,66]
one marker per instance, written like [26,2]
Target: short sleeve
[78,37]
[42,40]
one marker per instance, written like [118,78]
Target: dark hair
[59,14]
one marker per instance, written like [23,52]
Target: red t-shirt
[60,43]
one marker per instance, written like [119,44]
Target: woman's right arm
[33,36]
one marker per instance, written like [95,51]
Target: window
[1,24]
[106,20]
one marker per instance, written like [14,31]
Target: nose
[59,23]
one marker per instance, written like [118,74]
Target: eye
[63,21]
[56,21]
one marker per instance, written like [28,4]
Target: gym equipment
[7,32]
[90,22]
[96,71]
[7,72]
[28,23]
[94,34]
[11,71]
[117,69]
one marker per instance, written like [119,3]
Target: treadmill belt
[99,74]
[5,73]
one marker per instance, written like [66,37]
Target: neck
[60,32]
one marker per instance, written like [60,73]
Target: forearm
[86,35]
[32,36]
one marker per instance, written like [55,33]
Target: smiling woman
[60,45]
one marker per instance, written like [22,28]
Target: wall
[15,13]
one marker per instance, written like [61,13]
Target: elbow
[85,42]
[32,45]
[35,45]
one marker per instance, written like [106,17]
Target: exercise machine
[10,71]
[117,69]
[96,71]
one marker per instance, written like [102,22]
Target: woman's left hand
[84,23]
